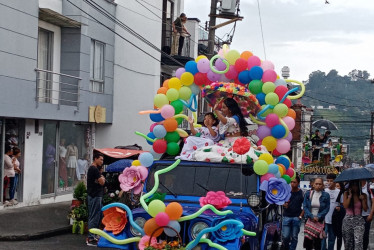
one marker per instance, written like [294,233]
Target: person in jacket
[316,206]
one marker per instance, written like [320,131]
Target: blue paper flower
[277,191]
[228,232]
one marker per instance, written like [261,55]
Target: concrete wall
[136,75]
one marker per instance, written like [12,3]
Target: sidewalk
[35,222]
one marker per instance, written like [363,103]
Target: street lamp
[285,72]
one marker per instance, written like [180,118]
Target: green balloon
[268,87]
[185,93]
[232,56]
[261,167]
[281,110]
[178,106]
[172,136]
[155,207]
[160,100]
[179,120]
[255,87]
[172,148]
[271,98]
[172,94]
[286,178]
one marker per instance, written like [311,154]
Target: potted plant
[80,194]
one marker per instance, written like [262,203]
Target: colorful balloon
[270,143]
[187,79]
[146,159]
[261,167]
[175,83]
[167,111]
[174,210]
[159,146]
[159,131]
[162,219]
[170,124]
[172,94]
[160,100]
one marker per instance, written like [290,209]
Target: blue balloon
[273,168]
[278,175]
[283,160]
[155,155]
[159,131]
[256,73]
[278,131]
[261,98]
[191,66]
[146,159]
[156,117]
[244,77]
[174,224]
[152,136]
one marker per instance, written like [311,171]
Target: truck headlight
[140,221]
[197,228]
[254,200]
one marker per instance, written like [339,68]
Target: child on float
[203,136]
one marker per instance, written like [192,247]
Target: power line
[262,32]
[352,106]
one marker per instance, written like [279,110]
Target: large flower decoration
[229,231]
[277,190]
[132,178]
[114,220]
[241,146]
[218,199]
[144,242]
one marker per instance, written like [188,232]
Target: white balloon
[280,82]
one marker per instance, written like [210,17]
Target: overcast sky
[305,35]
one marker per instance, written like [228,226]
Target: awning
[58,19]
[113,154]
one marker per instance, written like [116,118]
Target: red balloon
[200,79]
[276,153]
[259,142]
[241,64]
[160,146]
[281,91]
[288,102]
[241,146]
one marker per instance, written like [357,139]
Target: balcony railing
[57,88]
[186,51]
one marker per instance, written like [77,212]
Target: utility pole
[371,147]
[212,31]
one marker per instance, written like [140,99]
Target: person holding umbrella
[353,223]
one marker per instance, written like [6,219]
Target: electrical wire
[262,32]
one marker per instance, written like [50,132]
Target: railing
[57,88]
[186,46]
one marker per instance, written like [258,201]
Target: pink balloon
[265,65]
[162,219]
[203,65]
[290,172]
[283,146]
[219,64]
[289,137]
[263,131]
[253,61]
[266,177]
[259,142]
[272,120]
[179,72]
[213,76]
[232,73]
[152,126]
[167,111]
[269,76]
[290,122]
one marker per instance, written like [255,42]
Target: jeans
[94,213]
[366,233]
[13,186]
[330,238]
[290,232]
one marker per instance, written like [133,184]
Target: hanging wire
[262,32]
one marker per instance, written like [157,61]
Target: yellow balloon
[181,132]
[266,157]
[232,56]
[174,83]
[200,57]
[270,143]
[136,163]
[186,79]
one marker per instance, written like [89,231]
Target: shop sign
[97,114]
[318,170]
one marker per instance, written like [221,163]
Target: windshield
[197,178]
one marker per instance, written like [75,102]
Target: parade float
[211,202]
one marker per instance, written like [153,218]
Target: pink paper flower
[143,243]
[132,178]
[218,199]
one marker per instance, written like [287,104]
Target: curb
[38,235]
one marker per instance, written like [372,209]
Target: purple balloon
[203,65]
[220,64]
[179,72]
[263,131]
[213,76]
[289,137]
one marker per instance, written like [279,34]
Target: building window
[45,62]
[167,20]
[97,66]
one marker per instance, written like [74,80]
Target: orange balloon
[166,84]
[246,54]
[291,113]
[282,169]
[162,90]
[170,124]
[151,226]
[174,210]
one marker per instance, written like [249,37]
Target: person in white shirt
[333,192]
[367,215]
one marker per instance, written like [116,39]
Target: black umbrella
[352,174]
[325,124]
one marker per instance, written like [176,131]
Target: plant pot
[76,203]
